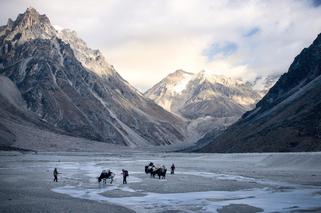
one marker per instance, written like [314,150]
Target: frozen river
[202,182]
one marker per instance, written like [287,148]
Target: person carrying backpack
[172,169]
[125,175]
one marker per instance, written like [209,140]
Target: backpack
[126,173]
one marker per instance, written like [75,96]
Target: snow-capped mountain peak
[207,100]
[171,86]
[181,88]
[215,78]
[179,80]
[91,59]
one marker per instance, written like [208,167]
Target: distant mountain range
[208,102]
[287,118]
[54,81]
[262,84]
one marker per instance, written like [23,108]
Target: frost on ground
[202,182]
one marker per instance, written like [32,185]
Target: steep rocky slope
[288,118]
[71,88]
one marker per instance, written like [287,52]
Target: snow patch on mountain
[206,101]
[91,59]
[262,84]
[180,86]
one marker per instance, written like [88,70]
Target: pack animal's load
[149,168]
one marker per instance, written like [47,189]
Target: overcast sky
[147,39]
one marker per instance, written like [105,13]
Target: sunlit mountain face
[72,89]
[208,102]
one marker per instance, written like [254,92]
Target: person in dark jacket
[55,174]
[172,169]
[125,175]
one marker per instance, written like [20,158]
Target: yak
[149,168]
[106,175]
[161,172]
[153,170]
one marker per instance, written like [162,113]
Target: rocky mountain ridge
[74,90]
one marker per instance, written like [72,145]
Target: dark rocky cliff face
[67,95]
[58,93]
[288,118]
[305,67]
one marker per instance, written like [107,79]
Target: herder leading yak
[153,170]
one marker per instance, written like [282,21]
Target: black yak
[161,172]
[106,175]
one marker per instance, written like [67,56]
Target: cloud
[145,40]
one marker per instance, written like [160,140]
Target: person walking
[110,175]
[125,175]
[55,174]
[172,169]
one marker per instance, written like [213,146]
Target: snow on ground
[284,182]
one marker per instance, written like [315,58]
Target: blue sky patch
[316,3]
[226,49]
[252,32]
